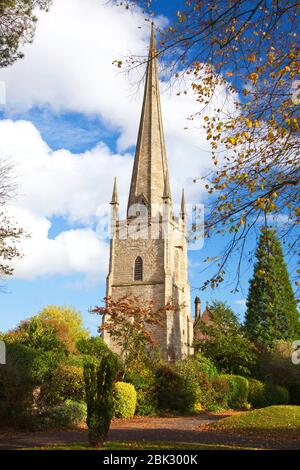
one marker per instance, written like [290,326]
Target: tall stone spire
[150,169]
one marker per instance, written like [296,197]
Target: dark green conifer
[271,306]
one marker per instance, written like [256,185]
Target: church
[148,250]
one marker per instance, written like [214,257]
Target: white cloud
[69,67]
[72,251]
[58,183]
[241,302]
[53,183]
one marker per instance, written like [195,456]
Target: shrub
[224,391]
[94,346]
[66,414]
[238,391]
[125,398]
[146,402]
[210,389]
[216,396]
[256,395]
[275,366]
[64,383]
[294,391]
[177,387]
[99,378]
[262,395]
[16,381]
[187,370]
[23,372]
[204,365]
[143,379]
[276,395]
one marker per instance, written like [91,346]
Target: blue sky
[70,124]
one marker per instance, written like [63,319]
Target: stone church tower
[148,252]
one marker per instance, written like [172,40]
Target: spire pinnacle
[150,168]
[115,199]
[152,42]
[167,190]
[183,209]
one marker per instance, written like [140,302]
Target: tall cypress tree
[271,306]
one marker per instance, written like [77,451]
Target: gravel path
[175,429]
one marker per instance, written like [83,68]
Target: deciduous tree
[10,234]
[242,60]
[131,325]
[224,341]
[17,27]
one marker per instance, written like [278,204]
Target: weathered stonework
[152,232]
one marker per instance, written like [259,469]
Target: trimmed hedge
[276,395]
[177,387]
[218,392]
[256,395]
[125,399]
[262,395]
[238,391]
[294,391]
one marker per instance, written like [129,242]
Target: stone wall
[164,280]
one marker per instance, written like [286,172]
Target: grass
[141,445]
[274,421]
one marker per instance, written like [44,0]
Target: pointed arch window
[138,269]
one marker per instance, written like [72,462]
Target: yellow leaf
[253,76]
[252,57]
[261,272]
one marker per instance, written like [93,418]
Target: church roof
[204,318]
[150,170]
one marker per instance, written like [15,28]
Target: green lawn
[272,421]
[116,445]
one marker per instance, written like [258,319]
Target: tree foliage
[131,326]
[241,59]
[224,341]
[10,234]
[99,378]
[54,328]
[17,26]
[271,306]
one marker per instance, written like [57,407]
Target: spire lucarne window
[138,269]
